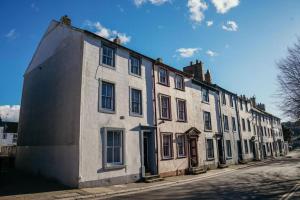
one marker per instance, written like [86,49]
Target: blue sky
[240,47]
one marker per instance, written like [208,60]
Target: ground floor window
[167,145]
[181,145]
[210,148]
[114,147]
[228,148]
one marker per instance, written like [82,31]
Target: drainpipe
[239,125]
[274,142]
[261,139]
[155,119]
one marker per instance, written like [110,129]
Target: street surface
[279,179]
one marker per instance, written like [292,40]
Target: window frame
[228,149]
[226,129]
[100,108]
[169,107]
[171,156]
[246,146]
[167,76]
[113,66]
[184,155]
[182,82]
[231,101]
[139,65]
[243,124]
[233,122]
[140,114]
[210,128]
[207,148]
[121,164]
[249,125]
[185,110]
[205,91]
[224,98]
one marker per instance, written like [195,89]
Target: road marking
[291,192]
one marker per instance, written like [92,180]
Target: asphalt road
[279,179]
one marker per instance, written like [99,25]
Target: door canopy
[192,132]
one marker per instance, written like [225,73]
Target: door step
[221,166]
[197,170]
[152,178]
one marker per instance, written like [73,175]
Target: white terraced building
[95,112]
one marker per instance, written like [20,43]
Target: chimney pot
[117,40]
[160,60]
[191,63]
[65,20]
[197,61]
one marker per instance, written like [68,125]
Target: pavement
[272,179]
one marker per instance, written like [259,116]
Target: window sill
[226,131]
[167,85]
[108,66]
[114,167]
[210,159]
[180,157]
[182,121]
[206,102]
[165,119]
[207,130]
[167,159]
[229,158]
[136,115]
[180,89]
[107,111]
[135,75]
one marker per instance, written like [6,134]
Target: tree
[289,82]
[287,133]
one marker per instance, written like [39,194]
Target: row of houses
[94,112]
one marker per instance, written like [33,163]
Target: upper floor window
[254,129]
[226,125]
[243,124]
[249,125]
[135,65]
[205,95]
[224,98]
[181,110]
[163,76]
[167,145]
[241,104]
[246,104]
[107,96]
[165,107]
[179,82]
[108,56]
[136,101]
[231,101]
[207,121]
[233,124]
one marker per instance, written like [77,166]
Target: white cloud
[196,9]
[230,26]
[209,23]
[211,53]
[187,52]
[154,2]
[106,32]
[224,6]
[34,7]
[10,113]
[11,34]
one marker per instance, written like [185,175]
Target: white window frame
[103,109]
[114,165]
[205,91]
[170,147]
[178,111]
[113,66]
[209,117]
[167,76]
[139,74]
[181,79]
[182,136]
[130,102]
[169,117]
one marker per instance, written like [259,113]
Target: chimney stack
[117,40]
[261,106]
[65,20]
[253,101]
[207,77]
[196,70]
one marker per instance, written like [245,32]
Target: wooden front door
[193,152]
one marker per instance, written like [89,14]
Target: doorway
[146,153]
[220,151]
[193,152]
[240,150]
